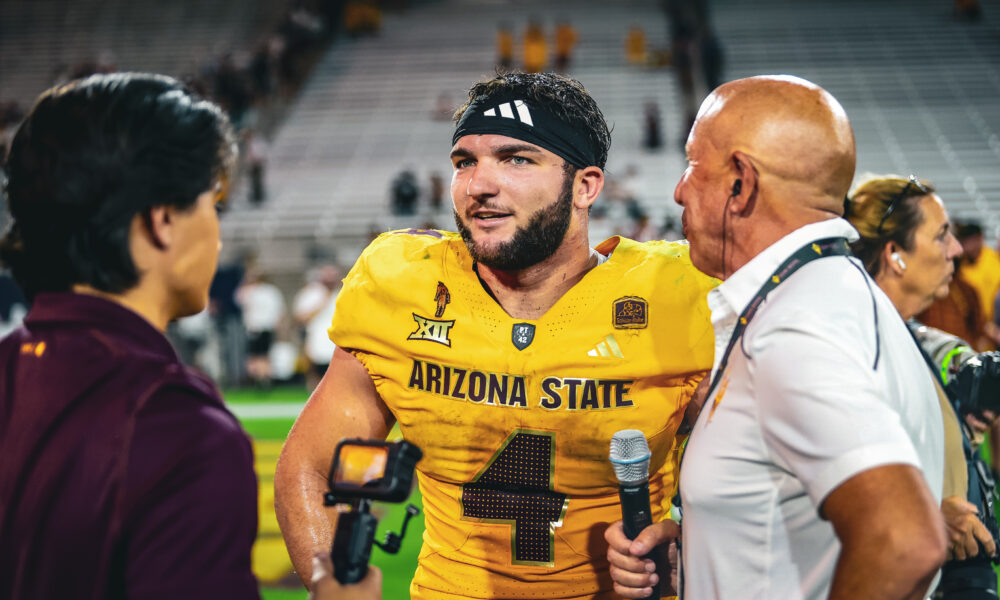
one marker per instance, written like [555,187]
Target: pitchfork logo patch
[522,334]
[442,297]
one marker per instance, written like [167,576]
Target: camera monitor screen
[359,464]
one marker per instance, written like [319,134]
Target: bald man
[815,467]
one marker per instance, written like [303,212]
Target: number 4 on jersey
[515,487]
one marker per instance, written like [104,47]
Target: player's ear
[587,185]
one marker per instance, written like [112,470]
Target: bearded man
[510,352]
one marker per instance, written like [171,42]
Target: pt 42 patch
[630,312]
[522,334]
[431,330]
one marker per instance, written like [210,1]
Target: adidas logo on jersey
[507,112]
[607,348]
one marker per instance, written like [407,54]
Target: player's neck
[529,293]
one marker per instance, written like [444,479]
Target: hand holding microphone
[633,542]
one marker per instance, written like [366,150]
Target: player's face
[197,246]
[513,201]
[929,264]
[702,192]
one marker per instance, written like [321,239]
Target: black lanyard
[835,246]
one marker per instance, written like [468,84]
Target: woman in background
[908,248]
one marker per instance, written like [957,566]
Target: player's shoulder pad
[658,257]
[396,252]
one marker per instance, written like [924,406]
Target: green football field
[267,416]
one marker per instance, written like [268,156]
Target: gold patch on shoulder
[630,312]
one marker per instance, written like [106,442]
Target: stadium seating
[920,88]
[919,85]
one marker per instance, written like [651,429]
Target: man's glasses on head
[912,184]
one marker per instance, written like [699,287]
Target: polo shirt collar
[68,308]
[736,292]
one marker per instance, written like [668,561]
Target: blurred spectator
[228,319]
[232,89]
[693,44]
[263,312]
[958,313]
[11,113]
[105,63]
[13,306]
[302,31]
[331,12]
[619,209]
[635,211]
[256,159]
[980,267]
[968,10]
[536,52]
[263,66]
[313,310]
[283,359]
[189,336]
[643,230]
[405,192]
[362,18]
[635,46]
[436,192]
[669,230]
[505,46]
[652,138]
[566,38]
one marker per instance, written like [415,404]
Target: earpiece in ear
[737,187]
[898,260]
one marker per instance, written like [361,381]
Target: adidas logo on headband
[523,114]
[536,125]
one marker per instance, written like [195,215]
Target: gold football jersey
[515,417]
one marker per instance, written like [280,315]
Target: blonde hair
[868,208]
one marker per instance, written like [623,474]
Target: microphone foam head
[630,456]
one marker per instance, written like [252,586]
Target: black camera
[976,386]
[373,470]
[364,471]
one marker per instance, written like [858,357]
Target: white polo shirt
[813,394]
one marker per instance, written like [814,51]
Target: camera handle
[392,541]
[352,543]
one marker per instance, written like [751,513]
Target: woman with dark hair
[908,247]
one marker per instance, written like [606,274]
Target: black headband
[528,122]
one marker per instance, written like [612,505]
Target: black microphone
[630,459]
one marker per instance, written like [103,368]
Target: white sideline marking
[265,410]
